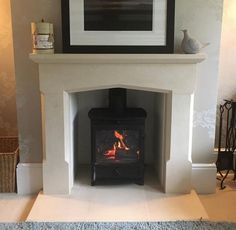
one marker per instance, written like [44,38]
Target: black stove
[117,140]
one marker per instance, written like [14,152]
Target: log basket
[9,154]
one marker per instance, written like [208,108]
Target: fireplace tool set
[227,141]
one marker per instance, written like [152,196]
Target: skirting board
[29,178]
[204,178]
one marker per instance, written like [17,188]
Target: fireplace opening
[124,122]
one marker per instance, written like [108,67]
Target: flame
[120,137]
[111,153]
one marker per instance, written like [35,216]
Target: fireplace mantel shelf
[118,58]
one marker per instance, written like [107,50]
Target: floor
[126,202]
[15,208]
[222,204]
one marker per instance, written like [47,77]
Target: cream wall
[27,91]
[227,79]
[201,17]
[8,122]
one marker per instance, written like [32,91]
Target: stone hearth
[60,75]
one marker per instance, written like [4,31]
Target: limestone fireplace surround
[61,75]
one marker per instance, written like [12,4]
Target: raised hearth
[174,75]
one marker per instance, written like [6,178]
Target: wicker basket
[9,152]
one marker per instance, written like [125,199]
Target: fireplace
[117,140]
[173,75]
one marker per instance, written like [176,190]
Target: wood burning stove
[117,140]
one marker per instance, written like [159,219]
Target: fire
[118,145]
[110,154]
[121,142]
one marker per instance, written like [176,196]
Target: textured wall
[227,82]
[201,17]
[8,123]
[28,96]
[227,73]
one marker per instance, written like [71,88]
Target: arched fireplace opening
[147,108]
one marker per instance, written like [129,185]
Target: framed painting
[118,26]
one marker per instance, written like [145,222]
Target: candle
[43,40]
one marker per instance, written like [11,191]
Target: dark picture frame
[96,47]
